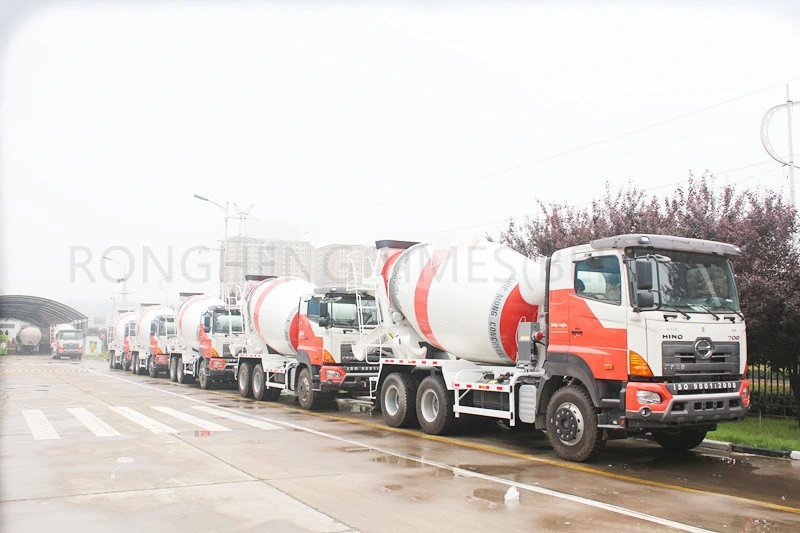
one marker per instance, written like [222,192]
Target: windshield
[697,282]
[224,321]
[70,335]
[166,329]
[344,312]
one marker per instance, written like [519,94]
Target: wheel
[111,361]
[151,367]
[572,425]
[305,390]
[398,397]
[435,407]
[173,369]
[245,380]
[126,364]
[205,376]
[680,440]
[183,379]
[134,364]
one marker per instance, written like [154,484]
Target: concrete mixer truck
[66,341]
[27,340]
[627,335]
[300,339]
[207,328]
[119,349]
[144,349]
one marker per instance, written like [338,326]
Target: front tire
[572,425]
[205,377]
[398,400]
[305,390]
[151,367]
[435,407]
[245,380]
[126,364]
[680,440]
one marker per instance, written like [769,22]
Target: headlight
[746,393]
[646,397]
[333,374]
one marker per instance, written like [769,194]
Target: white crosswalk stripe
[238,418]
[93,423]
[199,422]
[145,421]
[39,425]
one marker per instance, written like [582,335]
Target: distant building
[267,257]
[342,265]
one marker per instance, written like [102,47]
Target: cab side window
[313,310]
[598,278]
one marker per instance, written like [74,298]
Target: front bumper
[689,408]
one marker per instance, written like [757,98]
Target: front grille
[352,365]
[679,359]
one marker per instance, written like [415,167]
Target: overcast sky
[356,121]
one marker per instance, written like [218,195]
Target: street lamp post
[123,279]
[224,264]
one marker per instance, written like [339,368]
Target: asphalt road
[84,448]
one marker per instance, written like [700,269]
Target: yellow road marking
[499,451]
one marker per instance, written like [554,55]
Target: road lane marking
[39,425]
[199,422]
[238,418]
[145,421]
[93,423]
[455,470]
[475,446]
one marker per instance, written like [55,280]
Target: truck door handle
[576,331]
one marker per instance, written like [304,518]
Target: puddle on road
[491,470]
[400,461]
[391,488]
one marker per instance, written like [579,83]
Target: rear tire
[435,407]
[183,379]
[572,425]
[173,369]
[305,390]
[680,440]
[398,400]
[205,376]
[257,382]
[245,380]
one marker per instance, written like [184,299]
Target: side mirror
[153,328]
[645,299]
[644,275]
[325,322]
[324,311]
[207,324]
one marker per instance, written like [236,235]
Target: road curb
[727,446]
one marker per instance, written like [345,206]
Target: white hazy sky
[356,121]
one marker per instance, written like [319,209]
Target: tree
[761,223]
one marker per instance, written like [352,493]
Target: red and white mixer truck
[66,341]
[119,350]
[144,350]
[626,335]
[207,328]
[300,339]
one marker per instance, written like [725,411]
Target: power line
[584,204]
[563,170]
[551,157]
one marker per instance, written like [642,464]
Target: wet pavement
[84,448]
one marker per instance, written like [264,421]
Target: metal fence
[771,391]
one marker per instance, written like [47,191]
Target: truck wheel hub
[569,424]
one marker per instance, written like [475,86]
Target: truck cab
[331,321]
[220,328]
[651,326]
[164,340]
[68,343]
